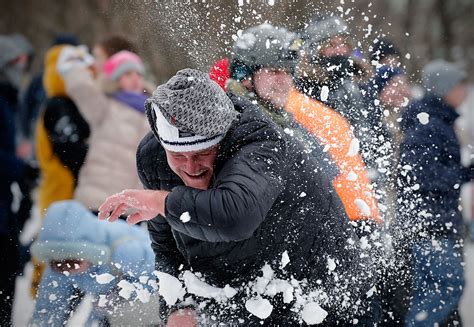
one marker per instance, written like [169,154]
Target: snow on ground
[23,306]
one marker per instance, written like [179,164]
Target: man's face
[457,95]
[396,93]
[273,85]
[195,168]
[336,46]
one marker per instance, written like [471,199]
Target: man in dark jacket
[431,178]
[230,194]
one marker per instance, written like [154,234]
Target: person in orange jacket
[262,70]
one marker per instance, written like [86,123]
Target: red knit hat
[219,72]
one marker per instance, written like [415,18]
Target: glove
[29,179]
[71,57]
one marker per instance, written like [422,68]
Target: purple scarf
[133,100]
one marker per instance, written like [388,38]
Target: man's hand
[182,318]
[145,204]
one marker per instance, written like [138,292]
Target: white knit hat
[190,112]
[175,140]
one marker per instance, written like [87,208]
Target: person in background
[85,256]
[431,178]
[116,119]
[262,65]
[328,71]
[250,193]
[107,46]
[12,170]
[387,95]
[34,98]
[61,142]
[384,52]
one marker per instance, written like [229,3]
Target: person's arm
[247,187]
[86,94]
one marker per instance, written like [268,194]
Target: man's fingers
[135,218]
[118,212]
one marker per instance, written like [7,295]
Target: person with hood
[116,118]
[12,170]
[430,181]
[263,61]
[111,263]
[62,136]
[328,72]
[230,194]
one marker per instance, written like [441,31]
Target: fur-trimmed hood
[71,231]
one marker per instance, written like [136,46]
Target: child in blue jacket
[111,262]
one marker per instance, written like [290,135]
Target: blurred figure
[61,142]
[387,94]
[329,72]
[12,170]
[34,98]
[86,256]
[261,69]
[108,46]
[219,72]
[432,175]
[384,52]
[116,119]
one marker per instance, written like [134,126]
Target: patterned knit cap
[190,112]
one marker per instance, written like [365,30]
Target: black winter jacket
[267,197]
[431,174]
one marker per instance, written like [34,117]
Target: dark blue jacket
[11,167]
[431,173]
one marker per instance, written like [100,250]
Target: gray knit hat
[190,112]
[322,28]
[264,46]
[8,50]
[440,77]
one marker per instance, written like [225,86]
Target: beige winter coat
[116,131]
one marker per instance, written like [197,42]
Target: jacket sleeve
[422,150]
[85,91]
[66,134]
[54,299]
[245,190]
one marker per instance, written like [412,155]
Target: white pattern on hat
[172,139]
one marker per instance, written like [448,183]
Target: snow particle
[285,259]
[302,194]
[423,118]
[363,207]
[324,93]
[331,264]
[104,278]
[354,147]
[259,307]
[185,217]
[313,314]
[351,176]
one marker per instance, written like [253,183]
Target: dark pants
[9,263]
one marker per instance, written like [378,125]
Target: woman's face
[131,81]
